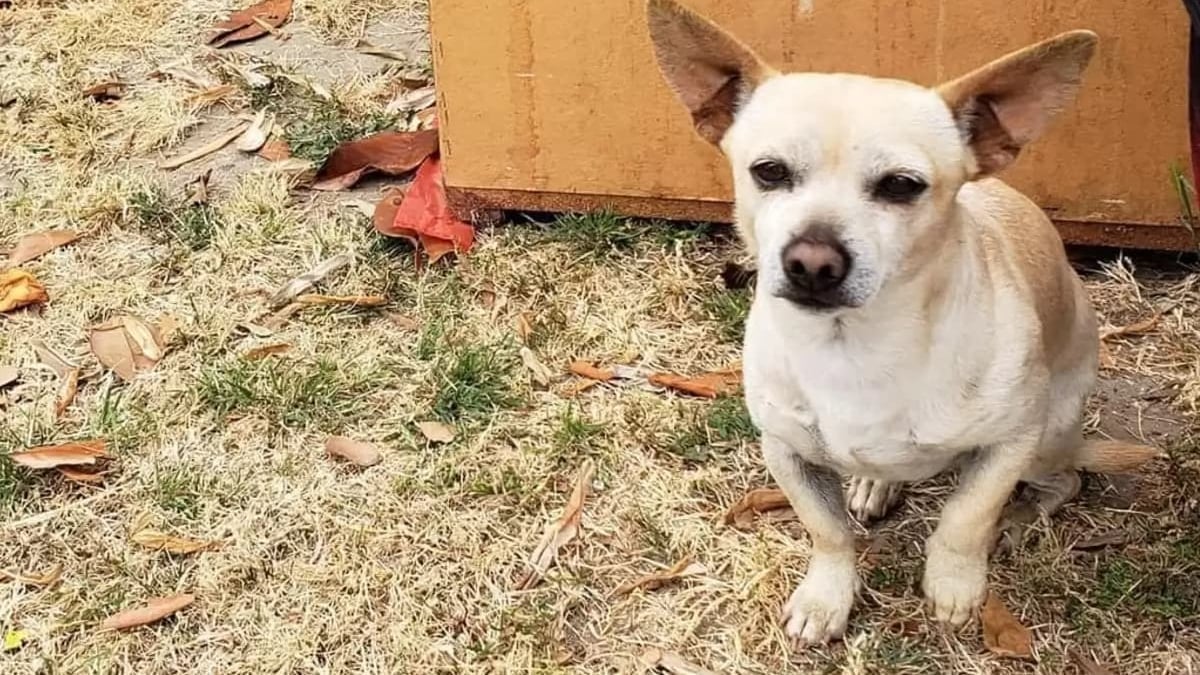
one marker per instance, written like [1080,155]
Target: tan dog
[913,314]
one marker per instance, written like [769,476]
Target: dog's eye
[770,174]
[899,188]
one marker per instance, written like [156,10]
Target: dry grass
[408,566]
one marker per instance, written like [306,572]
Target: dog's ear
[710,70]
[1008,103]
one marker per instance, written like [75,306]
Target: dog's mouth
[825,301]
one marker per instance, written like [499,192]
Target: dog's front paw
[820,606]
[869,499]
[955,583]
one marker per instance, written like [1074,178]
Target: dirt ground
[409,565]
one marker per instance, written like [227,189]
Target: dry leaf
[590,371]
[681,570]
[50,456]
[364,47]
[1087,666]
[127,345]
[67,391]
[1138,328]
[671,662]
[8,375]
[708,385]
[538,370]
[38,243]
[155,610]
[356,300]
[18,289]
[425,215]
[160,541]
[392,152]
[755,501]
[358,452]
[436,431]
[206,149]
[197,190]
[241,26]
[523,326]
[90,477]
[302,283]
[142,338]
[1003,635]
[264,351]
[105,91]
[256,134]
[275,150]
[61,366]
[412,101]
[559,532]
[45,579]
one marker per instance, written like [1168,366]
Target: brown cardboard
[555,104]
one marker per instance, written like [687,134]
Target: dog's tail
[1114,456]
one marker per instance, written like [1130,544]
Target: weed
[725,422]
[164,219]
[323,394]
[575,434]
[1145,590]
[326,126]
[13,482]
[729,420]
[124,426]
[179,490]
[474,380]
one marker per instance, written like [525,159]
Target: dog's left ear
[1008,103]
[710,70]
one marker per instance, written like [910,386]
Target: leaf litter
[156,609]
[436,432]
[558,533]
[19,289]
[128,345]
[756,501]
[680,570]
[46,578]
[356,452]
[1003,635]
[252,22]
[37,244]
[161,541]
[51,456]
[391,152]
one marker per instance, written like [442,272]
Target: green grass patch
[173,221]
[1147,590]
[474,380]
[711,431]
[324,126]
[604,233]
[729,309]
[575,435]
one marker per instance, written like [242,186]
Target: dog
[913,313]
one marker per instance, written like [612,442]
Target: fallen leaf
[708,385]
[560,532]
[154,610]
[538,370]
[161,541]
[385,213]
[256,330]
[1110,538]
[302,283]
[13,640]
[89,477]
[259,353]
[671,662]
[523,326]
[55,361]
[356,300]
[577,387]
[8,375]
[104,92]
[392,152]
[255,135]
[241,26]
[364,47]
[18,289]
[38,243]
[275,150]
[127,345]
[436,431]
[1138,328]
[681,570]
[142,338]
[1087,665]
[357,452]
[50,456]
[67,390]
[46,578]
[590,371]
[425,215]
[1003,635]
[198,189]
[206,149]
[758,500]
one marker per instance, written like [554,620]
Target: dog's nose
[815,263]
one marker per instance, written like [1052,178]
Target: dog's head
[846,183]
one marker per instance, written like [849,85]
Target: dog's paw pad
[869,499]
[819,608]
[954,586]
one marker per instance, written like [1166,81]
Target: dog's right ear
[710,70]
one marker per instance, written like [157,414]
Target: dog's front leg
[957,552]
[820,606]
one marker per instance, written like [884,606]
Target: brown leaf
[66,393]
[127,345]
[51,456]
[259,353]
[1138,328]
[681,570]
[38,243]
[708,385]
[44,579]
[18,289]
[241,26]
[161,541]
[356,300]
[312,277]
[154,610]
[275,150]
[671,663]
[144,339]
[436,431]
[385,213]
[524,326]
[1003,635]
[755,501]
[559,532]
[61,366]
[104,92]
[1087,666]
[79,476]
[206,149]
[538,370]
[357,452]
[211,95]
[392,152]
[8,375]
[198,189]
[590,371]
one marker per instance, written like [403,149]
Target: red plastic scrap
[425,215]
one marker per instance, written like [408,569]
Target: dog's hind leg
[869,499]
[1042,496]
